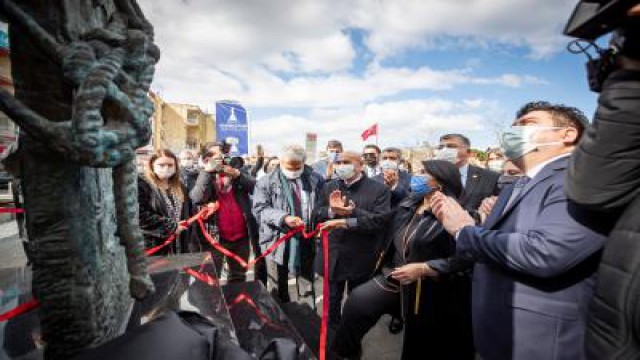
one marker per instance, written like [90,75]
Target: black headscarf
[447,175]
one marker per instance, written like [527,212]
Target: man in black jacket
[352,252]
[604,174]
[234,221]
[478,183]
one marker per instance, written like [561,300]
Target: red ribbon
[244,298]
[19,310]
[325,295]
[11,211]
[203,214]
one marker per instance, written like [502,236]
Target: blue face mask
[419,186]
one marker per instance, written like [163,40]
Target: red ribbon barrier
[19,310]
[204,214]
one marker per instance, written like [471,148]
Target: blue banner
[232,126]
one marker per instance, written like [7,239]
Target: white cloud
[418,120]
[239,49]
[397,25]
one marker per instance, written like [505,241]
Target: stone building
[180,126]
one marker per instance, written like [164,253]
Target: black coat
[402,189]
[604,175]
[157,224]
[204,192]
[441,310]
[353,252]
[481,184]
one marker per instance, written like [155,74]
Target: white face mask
[345,171]
[163,172]
[389,165]
[448,154]
[292,175]
[521,140]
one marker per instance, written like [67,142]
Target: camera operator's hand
[232,172]
[635,11]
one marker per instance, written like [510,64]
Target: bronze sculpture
[82,70]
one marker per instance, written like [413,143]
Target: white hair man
[283,200]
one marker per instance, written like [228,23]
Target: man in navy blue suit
[535,259]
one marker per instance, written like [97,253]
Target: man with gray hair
[283,200]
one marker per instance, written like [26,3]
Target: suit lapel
[498,208]
[544,174]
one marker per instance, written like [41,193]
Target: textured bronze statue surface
[81,70]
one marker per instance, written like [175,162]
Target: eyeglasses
[369,155]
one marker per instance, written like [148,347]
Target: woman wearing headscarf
[436,310]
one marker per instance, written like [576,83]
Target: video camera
[592,19]
[235,162]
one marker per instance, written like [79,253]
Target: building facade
[180,126]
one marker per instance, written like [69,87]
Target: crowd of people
[488,258]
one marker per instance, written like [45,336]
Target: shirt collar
[464,170]
[531,173]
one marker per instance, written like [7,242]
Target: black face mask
[506,180]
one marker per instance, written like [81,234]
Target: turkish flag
[370,132]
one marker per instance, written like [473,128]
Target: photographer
[604,175]
[234,223]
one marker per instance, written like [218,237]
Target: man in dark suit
[535,260]
[398,181]
[478,183]
[352,252]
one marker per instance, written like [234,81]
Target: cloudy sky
[419,68]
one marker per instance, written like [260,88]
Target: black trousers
[240,247]
[362,310]
[440,330]
[260,268]
[336,292]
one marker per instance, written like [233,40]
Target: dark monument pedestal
[244,313]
